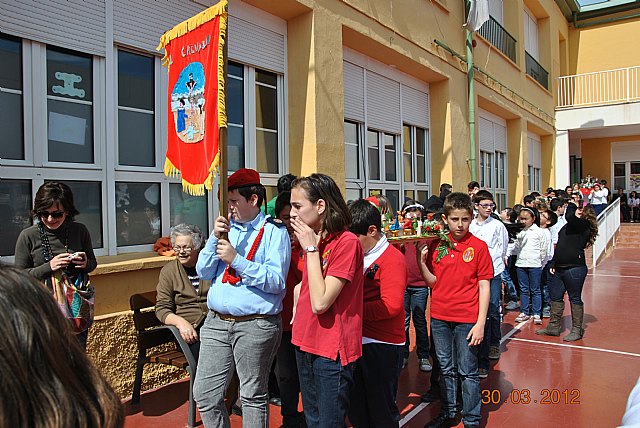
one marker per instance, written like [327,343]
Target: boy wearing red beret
[243,327]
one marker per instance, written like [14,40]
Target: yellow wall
[596,156]
[604,47]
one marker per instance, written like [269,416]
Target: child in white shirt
[532,247]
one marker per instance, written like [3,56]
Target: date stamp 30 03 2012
[526,396]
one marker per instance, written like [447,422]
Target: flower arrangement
[432,227]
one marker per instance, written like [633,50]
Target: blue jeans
[453,350]
[325,386]
[570,280]
[545,282]
[511,287]
[250,347]
[529,279]
[415,305]
[492,333]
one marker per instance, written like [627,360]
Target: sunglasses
[54,214]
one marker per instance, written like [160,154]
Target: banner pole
[223,135]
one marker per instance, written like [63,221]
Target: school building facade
[373,93]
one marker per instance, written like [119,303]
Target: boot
[554,327]
[577,314]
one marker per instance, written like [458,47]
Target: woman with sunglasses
[327,326]
[56,231]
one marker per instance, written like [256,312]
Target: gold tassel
[194,22]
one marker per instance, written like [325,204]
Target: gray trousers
[247,346]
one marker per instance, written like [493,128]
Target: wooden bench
[152,333]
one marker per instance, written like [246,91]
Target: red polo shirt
[338,331]
[455,294]
[293,278]
[384,298]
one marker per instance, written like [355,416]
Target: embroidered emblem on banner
[468,254]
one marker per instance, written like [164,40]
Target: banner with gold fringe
[196,107]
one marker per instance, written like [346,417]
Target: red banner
[196,97]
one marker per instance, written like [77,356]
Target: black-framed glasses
[487,205]
[178,250]
[54,214]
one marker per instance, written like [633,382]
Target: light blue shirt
[262,285]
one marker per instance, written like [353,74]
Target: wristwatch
[311,249]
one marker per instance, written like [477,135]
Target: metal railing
[608,226]
[499,37]
[535,70]
[599,88]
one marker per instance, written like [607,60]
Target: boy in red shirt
[459,276]
[373,397]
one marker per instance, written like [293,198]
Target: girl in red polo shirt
[327,327]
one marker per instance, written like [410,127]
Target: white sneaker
[537,319]
[522,317]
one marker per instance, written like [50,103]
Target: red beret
[374,200]
[242,178]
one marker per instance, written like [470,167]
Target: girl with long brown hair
[569,269]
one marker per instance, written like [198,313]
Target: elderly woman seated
[182,295]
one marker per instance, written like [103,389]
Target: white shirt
[495,235]
[599,197]
[550,246]
[634,202]
[532,247]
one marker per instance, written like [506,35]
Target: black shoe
[236,410]
[442,421]
[430,397]
[276,401]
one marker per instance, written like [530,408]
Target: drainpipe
[471,102]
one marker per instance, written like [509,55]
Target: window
[267,122]
[619,175]
[383,158]
[255,119]
[136,110]
[373,152]
[138,211]
[69,106]
[11,123]
[123,197]
[87,197]
[415,162]
[15,212]
[352,150]
[235,116]
[186,208]
[534,179]
[531,34]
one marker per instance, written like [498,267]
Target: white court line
[413,413]
[514,330]
[416,410]
[577,347]
[617,276]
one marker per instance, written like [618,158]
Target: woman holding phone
[56,242]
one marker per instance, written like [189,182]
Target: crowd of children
[342,336]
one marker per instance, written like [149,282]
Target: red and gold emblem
[468,254]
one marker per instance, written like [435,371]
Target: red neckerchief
[230,273]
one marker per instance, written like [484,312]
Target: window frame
[105,168]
